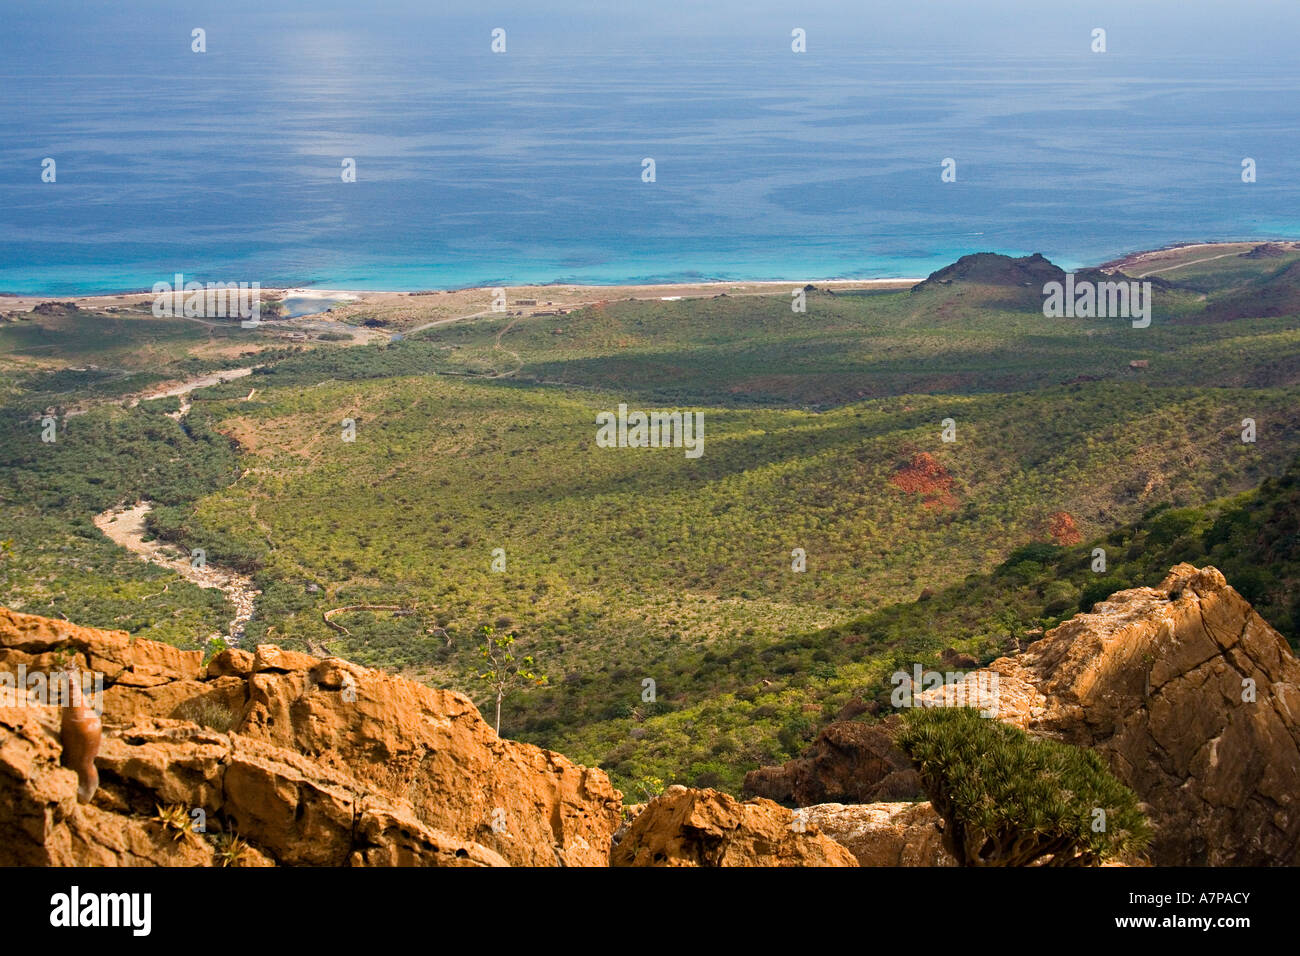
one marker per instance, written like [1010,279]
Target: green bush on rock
[1008,799]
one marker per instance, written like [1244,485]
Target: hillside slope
[825,449]
[292,760]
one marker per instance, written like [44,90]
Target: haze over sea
[475,168]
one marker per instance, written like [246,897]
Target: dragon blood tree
[1009,799]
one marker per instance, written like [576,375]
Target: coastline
[565,295]
[540,296]
[1177,250]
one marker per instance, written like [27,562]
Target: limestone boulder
[884,834]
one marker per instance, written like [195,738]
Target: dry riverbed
[125,526]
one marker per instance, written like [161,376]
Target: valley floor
[352,477]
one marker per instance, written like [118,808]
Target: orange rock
[925,476]
[1193,699]
[314,762]
[884,834]
[232,662]
[684,827]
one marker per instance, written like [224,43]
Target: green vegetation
[505,674]
[61,564]
[228,849]
[625,565]
[174,819]
[822,433]
[1199,270]
[62,357]
[1009,800]
[768,697]
[746,352]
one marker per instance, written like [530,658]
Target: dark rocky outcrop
[991,268]
[848,762]
[55,308]
[1266,250]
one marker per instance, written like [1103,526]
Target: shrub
[1100,590]
[1009,800]
[1036,552]
[213,648]
[795,733]
[208,712]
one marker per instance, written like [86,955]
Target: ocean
[476,168]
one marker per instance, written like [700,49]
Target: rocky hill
[308,761]
[1021,280]
[1270,296]
[1194,700]
[1190,695]
[991,268]
[293,760]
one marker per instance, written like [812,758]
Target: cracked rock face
[1195,702]
[315,762]
[285,807]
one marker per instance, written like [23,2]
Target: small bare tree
[505,674]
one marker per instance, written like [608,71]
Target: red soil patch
[1063,529]
[924,476]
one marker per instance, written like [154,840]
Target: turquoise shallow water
[296,306]
[482,169]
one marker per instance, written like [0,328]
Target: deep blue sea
[475,168]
